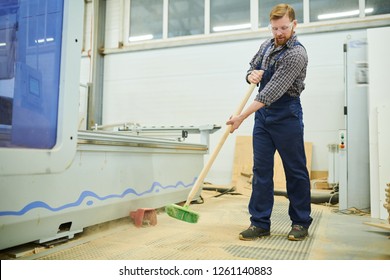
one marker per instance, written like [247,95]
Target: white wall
[203,84]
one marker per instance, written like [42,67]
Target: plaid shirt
[290,70]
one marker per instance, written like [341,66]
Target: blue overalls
[279,126]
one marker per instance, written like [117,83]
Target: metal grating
[276,246]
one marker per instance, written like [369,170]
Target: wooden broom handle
[207,167]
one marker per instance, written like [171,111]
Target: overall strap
[274,60]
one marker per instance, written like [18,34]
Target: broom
[183,212]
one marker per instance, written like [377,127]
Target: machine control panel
[342,139]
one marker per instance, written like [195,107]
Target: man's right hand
[255,76]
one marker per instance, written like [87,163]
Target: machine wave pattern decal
[156,186]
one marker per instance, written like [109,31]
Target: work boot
[253,233]
[297,233]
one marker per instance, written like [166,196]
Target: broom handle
[207,167]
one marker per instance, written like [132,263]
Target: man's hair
[280,11]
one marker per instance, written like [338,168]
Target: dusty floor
[334,235]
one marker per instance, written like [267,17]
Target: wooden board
[243,162]
[378,225]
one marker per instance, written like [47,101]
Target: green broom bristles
[182,213]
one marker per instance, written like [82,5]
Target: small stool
[144,216]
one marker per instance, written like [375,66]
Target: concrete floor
[334,235]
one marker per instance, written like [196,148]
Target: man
[278,126]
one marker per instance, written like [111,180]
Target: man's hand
[255,76]
[235,122]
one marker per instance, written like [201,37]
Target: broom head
[182,213]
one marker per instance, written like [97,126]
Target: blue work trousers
[280,127]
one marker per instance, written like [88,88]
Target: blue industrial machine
[55,180]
